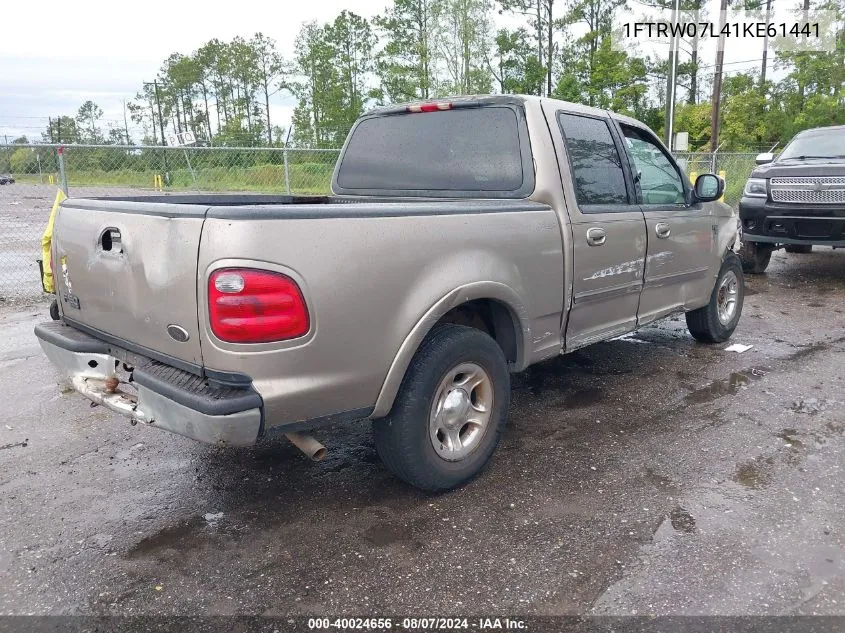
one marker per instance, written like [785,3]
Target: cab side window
[658,179]
[596,166]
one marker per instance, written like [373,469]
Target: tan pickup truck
[466,239]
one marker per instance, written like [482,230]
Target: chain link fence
[733,167]
[110,170]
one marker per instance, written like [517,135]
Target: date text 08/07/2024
[418,624]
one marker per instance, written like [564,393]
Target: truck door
[680,235]
[608,230]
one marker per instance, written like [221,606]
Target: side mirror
[765,157]
[709,187]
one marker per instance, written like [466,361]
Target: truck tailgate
[129,270]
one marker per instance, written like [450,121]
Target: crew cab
[797,200]
[465,239]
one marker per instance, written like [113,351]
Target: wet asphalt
[649,475]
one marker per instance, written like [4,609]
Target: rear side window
[460,150]
[594,159]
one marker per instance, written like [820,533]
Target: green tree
[516,67]
[61,129]
[86,119]
[24,161]
[350,40]
[464,28]
[406,64]
[540,16]
[315,85]
[270,68]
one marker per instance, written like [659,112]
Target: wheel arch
[506,316]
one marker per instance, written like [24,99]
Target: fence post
[60,156]
[40,176]
[287,170]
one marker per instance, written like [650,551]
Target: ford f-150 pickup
[465,239]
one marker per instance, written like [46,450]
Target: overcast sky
[55,54]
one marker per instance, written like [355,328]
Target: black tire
[704,324]
[403,438]
[54,310]
[803,249]
[755,257]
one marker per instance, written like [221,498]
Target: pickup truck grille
[823,190]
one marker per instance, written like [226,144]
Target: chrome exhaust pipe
[307,444]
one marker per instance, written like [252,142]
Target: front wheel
[715,322]
[798,248]
[755,257]
[450,410]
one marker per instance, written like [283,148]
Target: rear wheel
[715,322]
[798,248]
[755,257]
[450,410]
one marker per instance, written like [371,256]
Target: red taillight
[246,305]
[429,107]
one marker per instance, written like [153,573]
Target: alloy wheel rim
[461,411]
[727,297]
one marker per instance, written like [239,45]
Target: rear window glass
[596,166]
[473,149]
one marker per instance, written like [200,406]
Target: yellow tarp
[46,239]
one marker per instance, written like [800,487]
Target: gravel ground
[649,475]
[24,211]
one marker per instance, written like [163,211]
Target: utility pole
[160,119]
[160,122]
[717,79]
[801,86]
[766,47]
[125,124]
[50,127]
[671,78]
[549,4]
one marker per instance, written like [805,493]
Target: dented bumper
[152,392]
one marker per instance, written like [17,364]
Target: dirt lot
[648,475]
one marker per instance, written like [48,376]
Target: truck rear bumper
[156,394]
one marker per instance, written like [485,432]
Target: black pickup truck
[795,200]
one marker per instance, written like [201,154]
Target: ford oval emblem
[178,333]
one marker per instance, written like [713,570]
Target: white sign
[182,138]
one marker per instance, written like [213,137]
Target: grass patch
[305,178]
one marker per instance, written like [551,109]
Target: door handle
[596,236]
[662,230]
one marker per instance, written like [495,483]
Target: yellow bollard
[157,182]
[50,179]
[722,175]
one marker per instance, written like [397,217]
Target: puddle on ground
[585,398]
[810,406]
[682,520]
[808,350]
[718,388]
[658,480]
[788,435]
[183,536]
[386,534]
[755,474]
